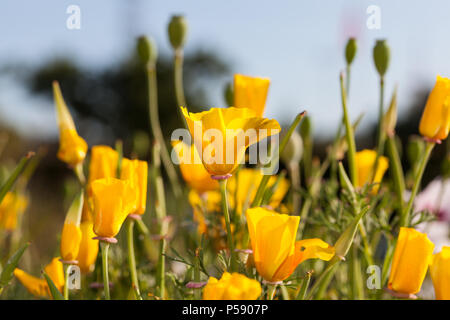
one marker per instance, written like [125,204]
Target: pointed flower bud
[344,242]
[350,50]
[72,148]
[87,255]
[177,32]
[71,233]
[381,55]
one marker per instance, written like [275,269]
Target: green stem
[157,132]
[161,215]
[262,185]
[304,286]
[404,221]
[105,247]
[324,279]
[223,191]
[197,292]
[349,135]
[66,281]
[381,133]
[132,259]
[178,79]
[271,290]
[397,171]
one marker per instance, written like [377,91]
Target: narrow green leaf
[7,272]
[15,175]
[53,290]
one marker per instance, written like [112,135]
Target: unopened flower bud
[306,128]
[415,149]
[147,50]
[229,94]
[350,50]
[294,149]
[177,32]
[381,56]
[390,118]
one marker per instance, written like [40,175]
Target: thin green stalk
[284,293]
[397,171]
[223,191]
[351,153]
[404,221]
[66,281]
[262,185]
[347,79]
[178,79]
[366,245]
[157,132]
[294,172]
[132,259]
[381,133]
[304,286]
[303,214]
[357,282]
[387,262]
[161,215]
[197,292]
[271,290]
[105,247]
[324,279]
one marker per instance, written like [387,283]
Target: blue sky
[298,44]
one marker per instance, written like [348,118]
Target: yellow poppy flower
[412,256]
[12,206]
[251,92]
[247,182]
[38,286]
[365,161]
[103,163]
[114,200]
[136,172]
[222,135]
[72,148]
[71,233]
[275,252]
[233,286]
[440,274]
[192,170]
[87,254]
[435,121]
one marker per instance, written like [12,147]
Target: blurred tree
[116,98]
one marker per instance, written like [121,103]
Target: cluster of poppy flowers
[116,190]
